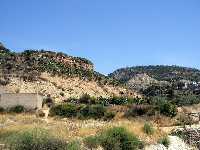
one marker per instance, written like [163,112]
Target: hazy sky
[111,33]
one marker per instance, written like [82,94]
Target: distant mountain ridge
[158,72]
[146,78]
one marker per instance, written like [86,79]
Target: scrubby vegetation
[140,110]
[17,109]
[35,139]
[165,141]
[148,128]
[31,63]
[116,138]
[92,111]
[91,107]
[179,85]
[164,106]
[92,142]
[95,111]
[64,110]
[159,72]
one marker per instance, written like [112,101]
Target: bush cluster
[35,139]
[17,109]
[82,111]
[64,110]
[186,99]
[118,101]
[168,109]
[92,111]
[164,106]
[116,138]
[140,110]
[87,99]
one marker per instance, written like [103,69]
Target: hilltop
[141,77]
[158,72]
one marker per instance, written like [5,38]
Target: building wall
[28,100]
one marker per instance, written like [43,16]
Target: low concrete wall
[28,100]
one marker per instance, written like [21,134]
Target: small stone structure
[28,100]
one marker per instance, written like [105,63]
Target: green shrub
[93,100]
[168,109]
[84,112]
[2,109]
[187,99]
[165,141]
[138,110]
[72,100]
[85,99]
[118,138]
[164,106]
[92,111]
[118,101]
[91,142]
[74,145]
[17,109]
[64,110]
[103,101]
[137,101]
[148,128]
[97,111]
[35,139]
[109,115]
[131,100]
[62,94]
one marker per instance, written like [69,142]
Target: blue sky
[111,33]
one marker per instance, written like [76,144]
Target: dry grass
[73,129]
[135,126]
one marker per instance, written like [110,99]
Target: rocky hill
[54,73]
[171,81]
[159,72]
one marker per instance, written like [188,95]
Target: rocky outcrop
[175,143]
[190,136]
[141,81]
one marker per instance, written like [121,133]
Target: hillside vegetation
[57,74]
[33,62]
[181,85]
[159,72]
